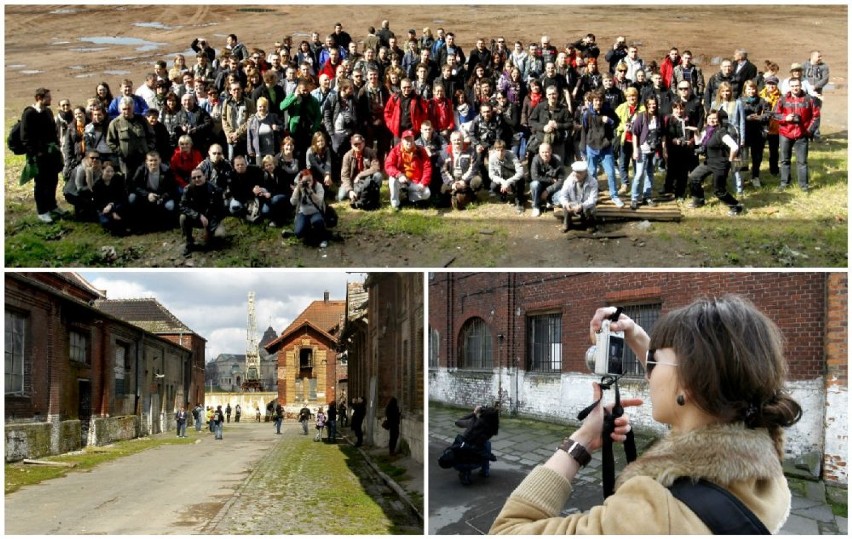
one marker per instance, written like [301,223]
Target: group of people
[278,136]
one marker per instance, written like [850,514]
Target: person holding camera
[798,119]
[617,54]
[719,385]
[308,199]
[719,149]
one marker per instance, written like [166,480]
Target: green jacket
[294,106]
[130,137]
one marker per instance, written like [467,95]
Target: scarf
[535,99]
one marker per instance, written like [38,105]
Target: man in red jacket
[409,171]
[405,111]
[798,120]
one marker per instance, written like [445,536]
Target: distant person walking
[228,412]
[237,413]
[180,419]
[39,138]
[332,423]
[392,418]
[218,421]
[359,411]
[257,413]
[196,414]
[278,417]
[320,424]
[304,417]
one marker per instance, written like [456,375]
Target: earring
[680,400]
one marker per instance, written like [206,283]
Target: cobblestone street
[251,482]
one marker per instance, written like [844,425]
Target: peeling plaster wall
[836,435]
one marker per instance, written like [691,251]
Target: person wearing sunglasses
[716,372]
[200,207]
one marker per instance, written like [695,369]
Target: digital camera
[606,357]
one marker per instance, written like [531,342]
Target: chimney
[325,296]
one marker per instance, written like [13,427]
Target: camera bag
[720,510]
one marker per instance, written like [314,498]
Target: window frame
[550,344]
[476,327]
[72,346]
[18,389]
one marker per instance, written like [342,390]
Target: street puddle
[142,45]
[156,25]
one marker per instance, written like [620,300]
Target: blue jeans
[332,430]
[605,159]
[309,227]
[198,423]
[275,208]
[800,146]
[218,427]
[644,178]
[536,189]
[624,159]
[278,421]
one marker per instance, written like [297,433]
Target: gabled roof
[324,316]
[146,313]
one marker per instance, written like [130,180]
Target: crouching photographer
[308,198]
[719,387]
[471,450]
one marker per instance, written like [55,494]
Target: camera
[304,182]
[606,357]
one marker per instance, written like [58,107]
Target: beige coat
[746,462]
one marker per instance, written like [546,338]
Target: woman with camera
[720,372]
[307,198]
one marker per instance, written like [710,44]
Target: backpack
[14,142]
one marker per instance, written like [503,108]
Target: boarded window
[120,369]
[306,358]
[79,347]
[434,343]
[15,328]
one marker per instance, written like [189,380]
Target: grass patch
[18,475]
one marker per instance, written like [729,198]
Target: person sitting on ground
[274,193]
[185,159]
[308,198]
[152,195]
[240,192]
[578,197]
[507,175]
[546,175]
[726,429]
[78,190]
[110,198]
[360,175]
[460,173]
[218,170]
[409,171]
[200,207]
[430,141]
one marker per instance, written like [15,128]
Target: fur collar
[723,454]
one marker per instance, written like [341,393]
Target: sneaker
[634,205]
[624,189]
[273,224]
[287,233]
[59,212]
[323,244]
[45,217]
[618,203]
[519,209]
[755,182]
[736,210]
[695,203]
[740,192]
[650,203]
[536,212]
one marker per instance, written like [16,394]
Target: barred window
[434,343]
[544,335]
[79,347]
[15,328]
[306,358]
[646,316]
[475,345]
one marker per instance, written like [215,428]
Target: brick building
[384,345]
[307,355]
[76,375]
[520,338]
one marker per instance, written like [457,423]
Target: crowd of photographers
[277,136]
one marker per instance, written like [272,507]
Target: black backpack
[14,142]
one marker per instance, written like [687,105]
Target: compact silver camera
[606,357]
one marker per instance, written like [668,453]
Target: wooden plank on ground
[50,463]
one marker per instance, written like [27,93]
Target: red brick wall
[837,334]
[795,301]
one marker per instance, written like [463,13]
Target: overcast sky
[214,303]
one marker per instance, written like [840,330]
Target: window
[120,369]
[79,347]
[475,345]
[544,335]
[312,389]
[306,358]
[646,316]
[434,344]
[15,327]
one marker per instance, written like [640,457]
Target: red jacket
[441,114]
[421,165]
[808,113]
[182,164]
[667,70]
[419,113]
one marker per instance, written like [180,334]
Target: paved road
[232,486]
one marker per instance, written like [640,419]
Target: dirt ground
[74,67]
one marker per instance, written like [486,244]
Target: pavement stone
[810,513]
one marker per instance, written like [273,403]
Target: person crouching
[308,199]
[578,197]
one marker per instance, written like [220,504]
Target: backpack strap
[720,510]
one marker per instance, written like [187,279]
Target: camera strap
[607,456]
